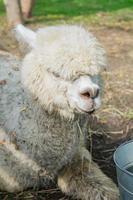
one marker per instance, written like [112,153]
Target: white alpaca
[45,119]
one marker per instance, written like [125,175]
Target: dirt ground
[113,123]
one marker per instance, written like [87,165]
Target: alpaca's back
[9,95]
[18,170]
[10,90]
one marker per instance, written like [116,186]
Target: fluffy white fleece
[43,118]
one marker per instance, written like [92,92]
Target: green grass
[73,8]
[92,11]
[2,9]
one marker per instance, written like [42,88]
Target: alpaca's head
[62,68]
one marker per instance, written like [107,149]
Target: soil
[113,123]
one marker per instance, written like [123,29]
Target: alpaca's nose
[90,93]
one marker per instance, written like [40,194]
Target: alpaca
[44,117]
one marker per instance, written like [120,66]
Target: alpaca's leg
[84,180]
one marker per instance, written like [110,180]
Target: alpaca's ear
[25,35]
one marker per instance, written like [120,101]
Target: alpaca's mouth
[92,111]
[85,111]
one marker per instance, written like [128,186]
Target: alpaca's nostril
[97,92]
[85,95]
[95,95]
[90,94]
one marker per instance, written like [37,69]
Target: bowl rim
[115,160]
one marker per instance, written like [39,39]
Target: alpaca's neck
[48,134]
[35,121]
[39,133]
[40,112]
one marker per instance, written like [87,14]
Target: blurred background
[111,21]
[90,13]
[111,13]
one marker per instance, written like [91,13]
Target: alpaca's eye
[55,74]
